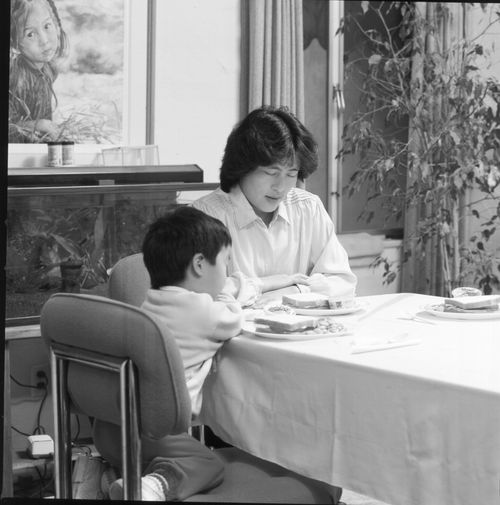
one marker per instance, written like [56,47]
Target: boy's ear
[197,264]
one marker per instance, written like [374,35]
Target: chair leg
[62,433]
[198,432]
[129,419]
[130,433]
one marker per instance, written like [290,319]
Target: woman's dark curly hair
[267,136]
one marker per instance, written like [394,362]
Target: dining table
[403,405]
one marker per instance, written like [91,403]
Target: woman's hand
[279,281]
[300,279]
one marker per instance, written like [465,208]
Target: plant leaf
[455,137]
[68,246]
[374,59]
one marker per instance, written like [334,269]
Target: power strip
[40,446]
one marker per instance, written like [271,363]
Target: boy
[186,253]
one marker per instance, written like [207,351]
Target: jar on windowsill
[54,154]
[68,152]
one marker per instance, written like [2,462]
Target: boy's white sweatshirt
[200,326]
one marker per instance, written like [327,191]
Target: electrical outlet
[40,376]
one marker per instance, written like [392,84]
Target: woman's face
[266,187]
[38,41]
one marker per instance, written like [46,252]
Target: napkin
[381,343]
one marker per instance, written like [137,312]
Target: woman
[283,239]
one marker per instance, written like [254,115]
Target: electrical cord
[43,484]
[75,438]
[39,429]
[75,445]
[85,449]
[21,384]
[19,431]
[42,477]
[39,493]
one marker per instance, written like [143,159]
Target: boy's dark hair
[173,240]
[266,136]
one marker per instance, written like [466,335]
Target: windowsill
[94,175]
[22,332]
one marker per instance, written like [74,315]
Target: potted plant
[442,160]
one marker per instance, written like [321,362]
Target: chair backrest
[129,280]
[112,328]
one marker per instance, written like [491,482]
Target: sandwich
[341,303]
[306,301]
[318,301]
[287,323]
[473,303]
[466,291]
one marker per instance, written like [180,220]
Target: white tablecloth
[409,425]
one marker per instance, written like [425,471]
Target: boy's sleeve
[229,317]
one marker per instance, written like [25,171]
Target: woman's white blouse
[300,239]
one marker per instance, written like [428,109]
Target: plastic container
[131,155]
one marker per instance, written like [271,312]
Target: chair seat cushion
[253,480]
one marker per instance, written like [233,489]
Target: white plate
[328,312]
[251,329]
[437,310]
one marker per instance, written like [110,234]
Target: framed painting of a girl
[70,71]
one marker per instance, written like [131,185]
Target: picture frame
[135,113]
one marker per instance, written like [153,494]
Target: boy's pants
[189,466]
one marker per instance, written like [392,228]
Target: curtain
[431,267]
[274,35]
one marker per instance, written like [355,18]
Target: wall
[26,406]
[197,81]
[364,250]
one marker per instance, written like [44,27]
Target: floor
[348,497]
[352,498]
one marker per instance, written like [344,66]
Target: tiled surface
[352,498]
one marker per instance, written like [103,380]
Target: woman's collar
[244,213]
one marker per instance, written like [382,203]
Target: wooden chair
[112,362]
